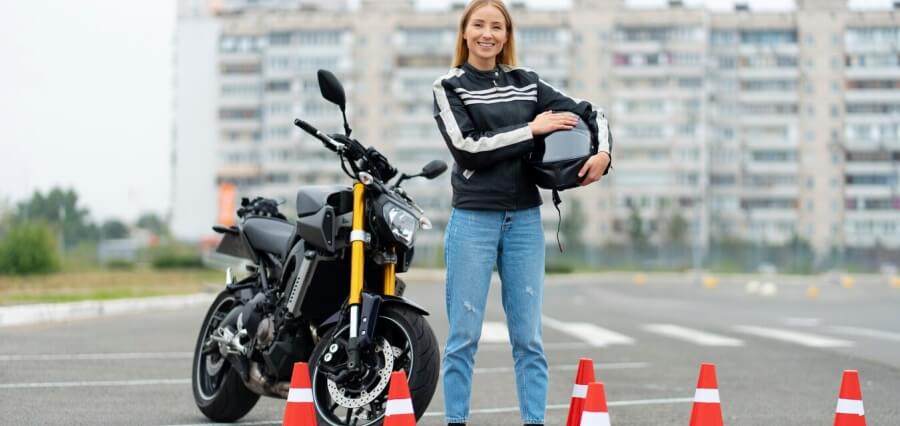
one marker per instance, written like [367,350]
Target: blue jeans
[476,240]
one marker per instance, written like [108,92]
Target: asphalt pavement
[779,355]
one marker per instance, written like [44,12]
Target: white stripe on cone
[850,406]
[300,395]
[579,391]
[707,395]
[590,418]
[398,406]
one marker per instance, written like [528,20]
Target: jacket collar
[489,74]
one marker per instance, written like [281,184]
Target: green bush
[175,260]
[28,248]
[558,268]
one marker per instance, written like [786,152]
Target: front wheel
[403,341]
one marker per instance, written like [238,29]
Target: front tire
[416,351]
[218,390]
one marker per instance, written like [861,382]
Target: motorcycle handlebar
[352,149]
[308,128]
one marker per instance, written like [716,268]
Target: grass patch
[104,285]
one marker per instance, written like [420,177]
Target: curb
[58,312]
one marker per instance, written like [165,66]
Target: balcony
[786,214]
[766,167]
[774,190]
[872,167]
[768,119]
[877,95]
[872,73]
[769,73]
[869,191]
[769,96]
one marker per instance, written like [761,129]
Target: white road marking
[494,347]
[566,406]
[801,322]
[569,367]
[691,335]
[494,332]
[157,382]
[498,410]
[44,385]
[805,339]
[592,334]
[259,422]
[97,356]
[867,332]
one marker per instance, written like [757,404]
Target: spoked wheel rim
[212,367]
[364,409]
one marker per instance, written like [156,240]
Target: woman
[489,112]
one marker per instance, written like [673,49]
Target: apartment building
[743,124]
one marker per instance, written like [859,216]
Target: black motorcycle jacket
[483,117]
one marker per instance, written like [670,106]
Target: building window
[537,35]
[279,38]
[278,86]
[690,83]
[774,156]
[239,68]
[870,179]
[769,37]
[318,38]
[727,62]
[232,113]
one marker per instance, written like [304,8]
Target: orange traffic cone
[849,410]
[299,410]
[707,410]
[399,410]
[595,412]
[584,376]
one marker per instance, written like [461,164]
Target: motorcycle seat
[268,234]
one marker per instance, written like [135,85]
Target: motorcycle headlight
[402,223]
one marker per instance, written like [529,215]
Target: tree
[800,254]
[114,229]
[678,228]
[58,208]
[29,248]
[4,216]
[636,227]
[151,222]
[573,225]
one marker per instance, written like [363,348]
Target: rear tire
[221,397]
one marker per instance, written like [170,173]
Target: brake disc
[384,378]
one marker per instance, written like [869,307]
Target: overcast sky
[86,99]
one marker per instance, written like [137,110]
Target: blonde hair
[507,56]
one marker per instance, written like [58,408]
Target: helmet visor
[568,144]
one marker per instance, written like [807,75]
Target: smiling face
[485,35]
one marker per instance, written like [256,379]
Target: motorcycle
[322,290]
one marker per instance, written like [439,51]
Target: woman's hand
[549,121]
[593,169]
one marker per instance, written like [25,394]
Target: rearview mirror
[434,169]
[331,89]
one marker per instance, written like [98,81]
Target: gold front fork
[390,275]
[357,244]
